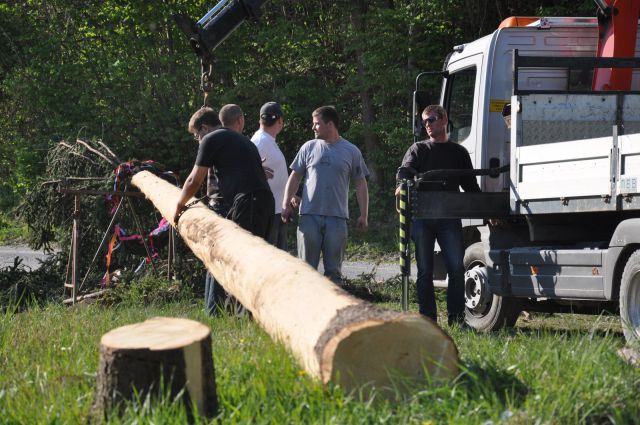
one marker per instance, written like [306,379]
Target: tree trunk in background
[371,140]
[335,337]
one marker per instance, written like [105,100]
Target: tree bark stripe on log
[328,331]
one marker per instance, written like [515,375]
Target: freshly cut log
[159,356]
[336,338]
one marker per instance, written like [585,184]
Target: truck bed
[570,155]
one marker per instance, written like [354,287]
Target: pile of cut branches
[90,171]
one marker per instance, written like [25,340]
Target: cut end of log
[389,353]
[155,334]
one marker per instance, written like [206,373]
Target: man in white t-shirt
[271,124]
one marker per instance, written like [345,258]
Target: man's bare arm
[362,194]
[289,192]
[190,187]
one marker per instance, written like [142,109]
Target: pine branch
[97,152]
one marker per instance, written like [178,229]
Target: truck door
[460,99]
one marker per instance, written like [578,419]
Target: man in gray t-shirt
[328,162]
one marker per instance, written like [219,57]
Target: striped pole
[405,241]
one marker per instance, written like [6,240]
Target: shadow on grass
[367,288]
[569,326]
[491,381]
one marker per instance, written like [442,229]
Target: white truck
[566,215]
[567,236]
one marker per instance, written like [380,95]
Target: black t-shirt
[427,155]
[236,161]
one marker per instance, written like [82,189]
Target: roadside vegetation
[567,372]
[12,231]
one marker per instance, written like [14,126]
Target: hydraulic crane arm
[617,26]
[214,27]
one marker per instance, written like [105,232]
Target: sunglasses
[429,120]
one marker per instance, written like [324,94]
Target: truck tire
[630,298]
[485,311]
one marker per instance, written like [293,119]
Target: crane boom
[220,22]
[617,26]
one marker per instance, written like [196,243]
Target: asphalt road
[350,269]
[354,269]
[29,257]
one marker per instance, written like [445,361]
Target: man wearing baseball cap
[271,124]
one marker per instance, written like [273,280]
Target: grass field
[559,369]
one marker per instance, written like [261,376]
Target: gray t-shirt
[328,168]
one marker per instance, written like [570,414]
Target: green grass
[561,369]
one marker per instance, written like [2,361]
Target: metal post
[405,241]
[172,254]
[74,243]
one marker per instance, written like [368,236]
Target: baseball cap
[271,110]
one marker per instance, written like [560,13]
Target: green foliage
[11,230]
[122,72]
[147,290]
[21,287]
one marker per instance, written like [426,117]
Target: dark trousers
[448,233]
[253,212]
[278,233]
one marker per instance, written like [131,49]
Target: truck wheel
[630,298]
[484,310]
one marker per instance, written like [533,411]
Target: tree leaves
[121,71]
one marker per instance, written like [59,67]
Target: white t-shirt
[274,159]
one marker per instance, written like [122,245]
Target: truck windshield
[460,89]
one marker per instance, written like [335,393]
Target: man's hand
[398,199]
[268,172]
[295,202]
[289,195]
[286,214]
[179,209]
[362,224]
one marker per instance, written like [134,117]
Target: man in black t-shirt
[438,153]
[245,193]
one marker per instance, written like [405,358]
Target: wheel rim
[633,305]
[477,297]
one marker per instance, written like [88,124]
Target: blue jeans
[214,295]
[448,233]
[326,234]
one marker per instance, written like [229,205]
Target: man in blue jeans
[438,153]
[327,163]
